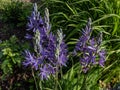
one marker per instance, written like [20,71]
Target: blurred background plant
[14,14]
[10,61]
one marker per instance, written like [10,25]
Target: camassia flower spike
[50,51]
[90,49]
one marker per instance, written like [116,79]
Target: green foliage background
[71,16]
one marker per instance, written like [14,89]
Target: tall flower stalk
[90,51]
[50,51]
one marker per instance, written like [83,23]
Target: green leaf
[1,54]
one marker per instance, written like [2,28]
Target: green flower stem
[34,79]
[56,80]
[40,85]
[57,84]
[61,73]
[83,87]
[78,77]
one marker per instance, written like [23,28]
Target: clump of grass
[71,16]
